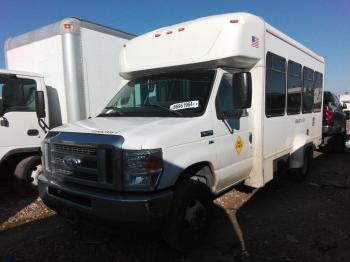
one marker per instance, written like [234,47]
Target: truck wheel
[190,217]
[302,172]
[26,176]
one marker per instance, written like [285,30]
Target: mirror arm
[43,125]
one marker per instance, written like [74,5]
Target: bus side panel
[285,134]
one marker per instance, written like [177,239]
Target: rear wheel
[338,145]
[26,176]
[190,217]
[302,172]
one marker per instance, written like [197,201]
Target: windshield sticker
[185,105]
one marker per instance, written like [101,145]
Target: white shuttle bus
[209,103]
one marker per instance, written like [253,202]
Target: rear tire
[302,172]
[190,217]
[338,145]
[26,175]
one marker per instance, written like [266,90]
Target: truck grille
[79,163]
[75,149]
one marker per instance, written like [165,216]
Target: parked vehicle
[191,122]
[334,123]
[345,100]
[73,66]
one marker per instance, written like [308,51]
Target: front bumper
[105,205]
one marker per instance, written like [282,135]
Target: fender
[17,151]
[300,143]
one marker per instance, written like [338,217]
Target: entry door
[233,138]
[19,125]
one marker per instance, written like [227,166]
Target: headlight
[142,169]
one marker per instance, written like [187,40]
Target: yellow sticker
[239,145]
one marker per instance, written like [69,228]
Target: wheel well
[201,172]
[296,159]
[10,161]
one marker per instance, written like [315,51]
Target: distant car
[334,123]
[345,100]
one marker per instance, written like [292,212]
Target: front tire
[190,217]
[26,176]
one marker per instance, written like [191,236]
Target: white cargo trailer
[74,62]
[210,103]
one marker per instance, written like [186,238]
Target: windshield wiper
[164,109]
[116,110]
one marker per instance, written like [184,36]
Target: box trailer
[74,63]
[210,103]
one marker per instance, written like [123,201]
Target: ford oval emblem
[71,162]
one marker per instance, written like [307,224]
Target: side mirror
[242,90]
[40,104]
[344,106]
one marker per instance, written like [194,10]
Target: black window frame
[318,79]
[311,81]
[271,68]
[291,74]
[21,108]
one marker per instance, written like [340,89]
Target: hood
[142,132]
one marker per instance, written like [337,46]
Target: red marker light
[157,35]
[67,26]
[169,32]
[181,29]
[234,21]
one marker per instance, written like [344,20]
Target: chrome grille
[75,149]
[87,169]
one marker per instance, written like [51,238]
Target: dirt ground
[284,221]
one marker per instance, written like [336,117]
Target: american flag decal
[255,42]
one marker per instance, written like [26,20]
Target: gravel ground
[284,221]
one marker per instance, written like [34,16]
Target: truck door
[233,137]
[19,126]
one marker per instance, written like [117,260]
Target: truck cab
[193,119]
[21,131]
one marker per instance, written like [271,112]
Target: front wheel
[190,217]
[26,176]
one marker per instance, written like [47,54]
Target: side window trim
[282,72]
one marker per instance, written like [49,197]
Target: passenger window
[318,92]
[308,90]
[294,85]
[275,90]
[224,97]
[18,94]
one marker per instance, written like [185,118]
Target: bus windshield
[176,94]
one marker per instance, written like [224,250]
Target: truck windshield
[178,94]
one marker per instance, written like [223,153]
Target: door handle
[33,132]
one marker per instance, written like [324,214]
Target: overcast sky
[323,26]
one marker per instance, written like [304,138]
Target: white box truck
[74,63]
[210,103]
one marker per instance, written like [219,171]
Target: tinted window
[308,90]
[294,85]
[318,92]
[327,98]
[18,94]
[275,90]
